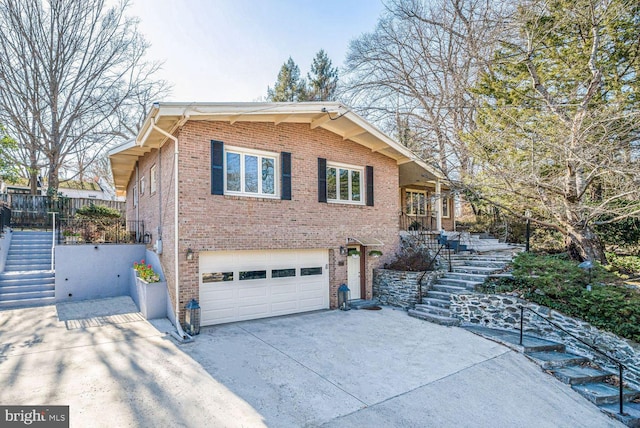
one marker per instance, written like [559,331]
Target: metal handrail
[615,360]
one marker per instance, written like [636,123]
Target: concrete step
[25,247]
[27,303]
[19,281]
[41,258]
[11,276]
[604,393]
[511,339]
[26,288]
[574,375]
[436,310]
[554,359]
[363,304]
[26,267]
[22,295]
[430,301]
[447,288]
[437,319]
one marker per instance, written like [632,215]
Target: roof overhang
[166,118]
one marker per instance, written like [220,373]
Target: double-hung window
[344,183]
[416,202]
[250,172]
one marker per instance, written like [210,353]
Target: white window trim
[362,184]
[142,184]
[426,200]
[445,200]
[153,179]
[252,152]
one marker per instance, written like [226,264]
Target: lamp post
[587,265]
[527,214]
[344,295]
[192,317]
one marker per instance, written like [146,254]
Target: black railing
[5,217]
[617,362]
[104,231]
[421,228]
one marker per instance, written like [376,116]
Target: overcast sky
[231,50]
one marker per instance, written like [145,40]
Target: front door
[353,276]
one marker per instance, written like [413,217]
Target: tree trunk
[54,181]
[583,244]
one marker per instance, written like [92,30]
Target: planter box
[73,240]
[151,298]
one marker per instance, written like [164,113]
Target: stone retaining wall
[502,312]
[401,288]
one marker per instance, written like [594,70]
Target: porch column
[438,202]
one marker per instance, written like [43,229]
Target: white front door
[353,276]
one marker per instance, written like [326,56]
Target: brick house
[253,207]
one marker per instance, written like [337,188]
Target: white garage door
[242,285]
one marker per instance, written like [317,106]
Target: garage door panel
[280,288]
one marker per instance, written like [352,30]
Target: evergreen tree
[323,79]
[289,87]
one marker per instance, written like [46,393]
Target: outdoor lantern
[344,295]
[189,254]
[587,265]
[192,317]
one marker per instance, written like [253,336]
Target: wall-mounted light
[146,238]
[189,254]
[344,251]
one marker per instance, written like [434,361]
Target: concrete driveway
[337,369]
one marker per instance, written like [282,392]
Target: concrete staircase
[468,271]
[27,279]
[588,379]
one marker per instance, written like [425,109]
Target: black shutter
[369,186]
[322,180]
[217,167]
[285,161]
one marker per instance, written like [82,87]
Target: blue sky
[231,50]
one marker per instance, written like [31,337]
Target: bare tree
[414,73]
[73,79]
[558,131]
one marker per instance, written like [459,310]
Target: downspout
[136,196]
[181,335]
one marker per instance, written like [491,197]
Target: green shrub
[92,211]
[624,266]
[558,283]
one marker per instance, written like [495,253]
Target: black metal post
[449,256]
[528,235]
[521,322]
[621,391]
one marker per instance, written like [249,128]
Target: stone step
[438,295]
[511,339]
[25,303]
[481,263]
[30,254]
[473,277]
[554,359]
[447,288]
[28,247]
[437,310]
[363,304]
[483,257]
[604,393]
[475,270]
[430,301]
[437,319]
[574,375]
[631,417]
[467,285]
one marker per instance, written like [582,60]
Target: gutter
[180,335]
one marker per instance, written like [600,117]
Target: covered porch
[426,199]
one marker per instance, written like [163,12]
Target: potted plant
[375,253]
[71,237]
[148,291]
[354,253]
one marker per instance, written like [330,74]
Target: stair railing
[620,365]
[53,240]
